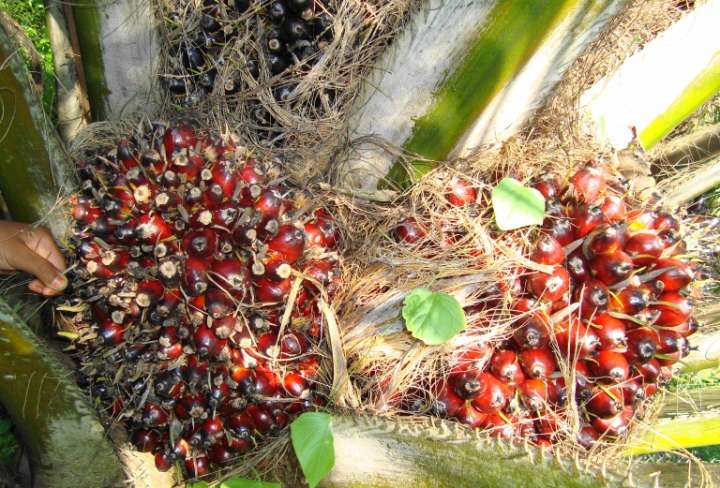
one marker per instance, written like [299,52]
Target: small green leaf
[313,443]
[236,482]
[198,484]
[517,206]
[432,317]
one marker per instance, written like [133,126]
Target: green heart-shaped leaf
[432,317]
[516,205]
[236,482]
[312,441]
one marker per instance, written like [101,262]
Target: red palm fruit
[409,231]
[576,340]
[615,426]
[292,344]
[206,342]
[152,228]
[687,328]
[524,304]
[586,218]
[674,309]
[125,154]
[548,184]
[550,286]
[268,291]
[191,406]
[610,331]
[612,268]
[448,403]
[673,342]
[224,327]
[146,440]
[587,184]
[263,419]
[274,267]
[642,344]
[195,276]
[267,383]
[149,292]
[116,260]
[644,248]
[180,137]
[233,276]
[537,363]
[649,371]
[225,176]
[200,243]
[242,424]
[563,231]
[633,392]
[606,401]
[328,227]
[532,333]
[154,415]
[548,251]
[218,303]
[469,416]
[181,449]
[614,209]
[314,236]
[587,436]
[677,276]
[665,222]
[309,367]
[593,297]
[610,367]
[163,461]
[220,454]
[249,174]
[472,358]
[505,366]
[605,239]
[289,243]
[197,466]
[269,204]
[492,396]
[500,426]
[225,215]
[630,300]
[460,192]
[465,384]
[578,266]
[111,333]
[213,430]
[537,393]
[295,385]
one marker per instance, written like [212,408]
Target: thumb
[25,259]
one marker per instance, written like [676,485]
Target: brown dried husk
[306,128]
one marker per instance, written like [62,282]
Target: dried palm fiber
[296,111]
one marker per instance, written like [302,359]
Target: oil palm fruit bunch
[599,331]
[187,253]
[293,33]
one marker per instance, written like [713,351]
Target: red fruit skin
[409,231]
[146,440]
[289,243]
[537,394]
[195,276]
[578,266]
[234,277]
[549,286]
[610,331]
[268,291]
[587,436]
[111,333]
[220,454]
[154,415]
[642,344]
[152,228]
[295,385]
[644,248]
[614,209]
[206,342]
[213,430]
[677,277]
[532,333]
[575,340]
[674,309]
[593,296]
[448,403]
[615,426]
[548,185]
[612,268]
[586,219]
[630,300]
[492,396]
[587,184]
[200,243]
[563,231]
[197,466]
[606,402]
[537,363]
[548,251]
[505,367]
[469,416]
[460,192]
[610,367]
[180,137]
[163,461]
[269,204]
[603,240]
[218,304]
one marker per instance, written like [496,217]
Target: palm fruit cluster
[291,33]
[187,253]
[598,330]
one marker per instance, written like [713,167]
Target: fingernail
[59,283]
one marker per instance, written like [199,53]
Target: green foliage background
[30,14]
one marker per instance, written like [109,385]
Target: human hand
[33,250]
